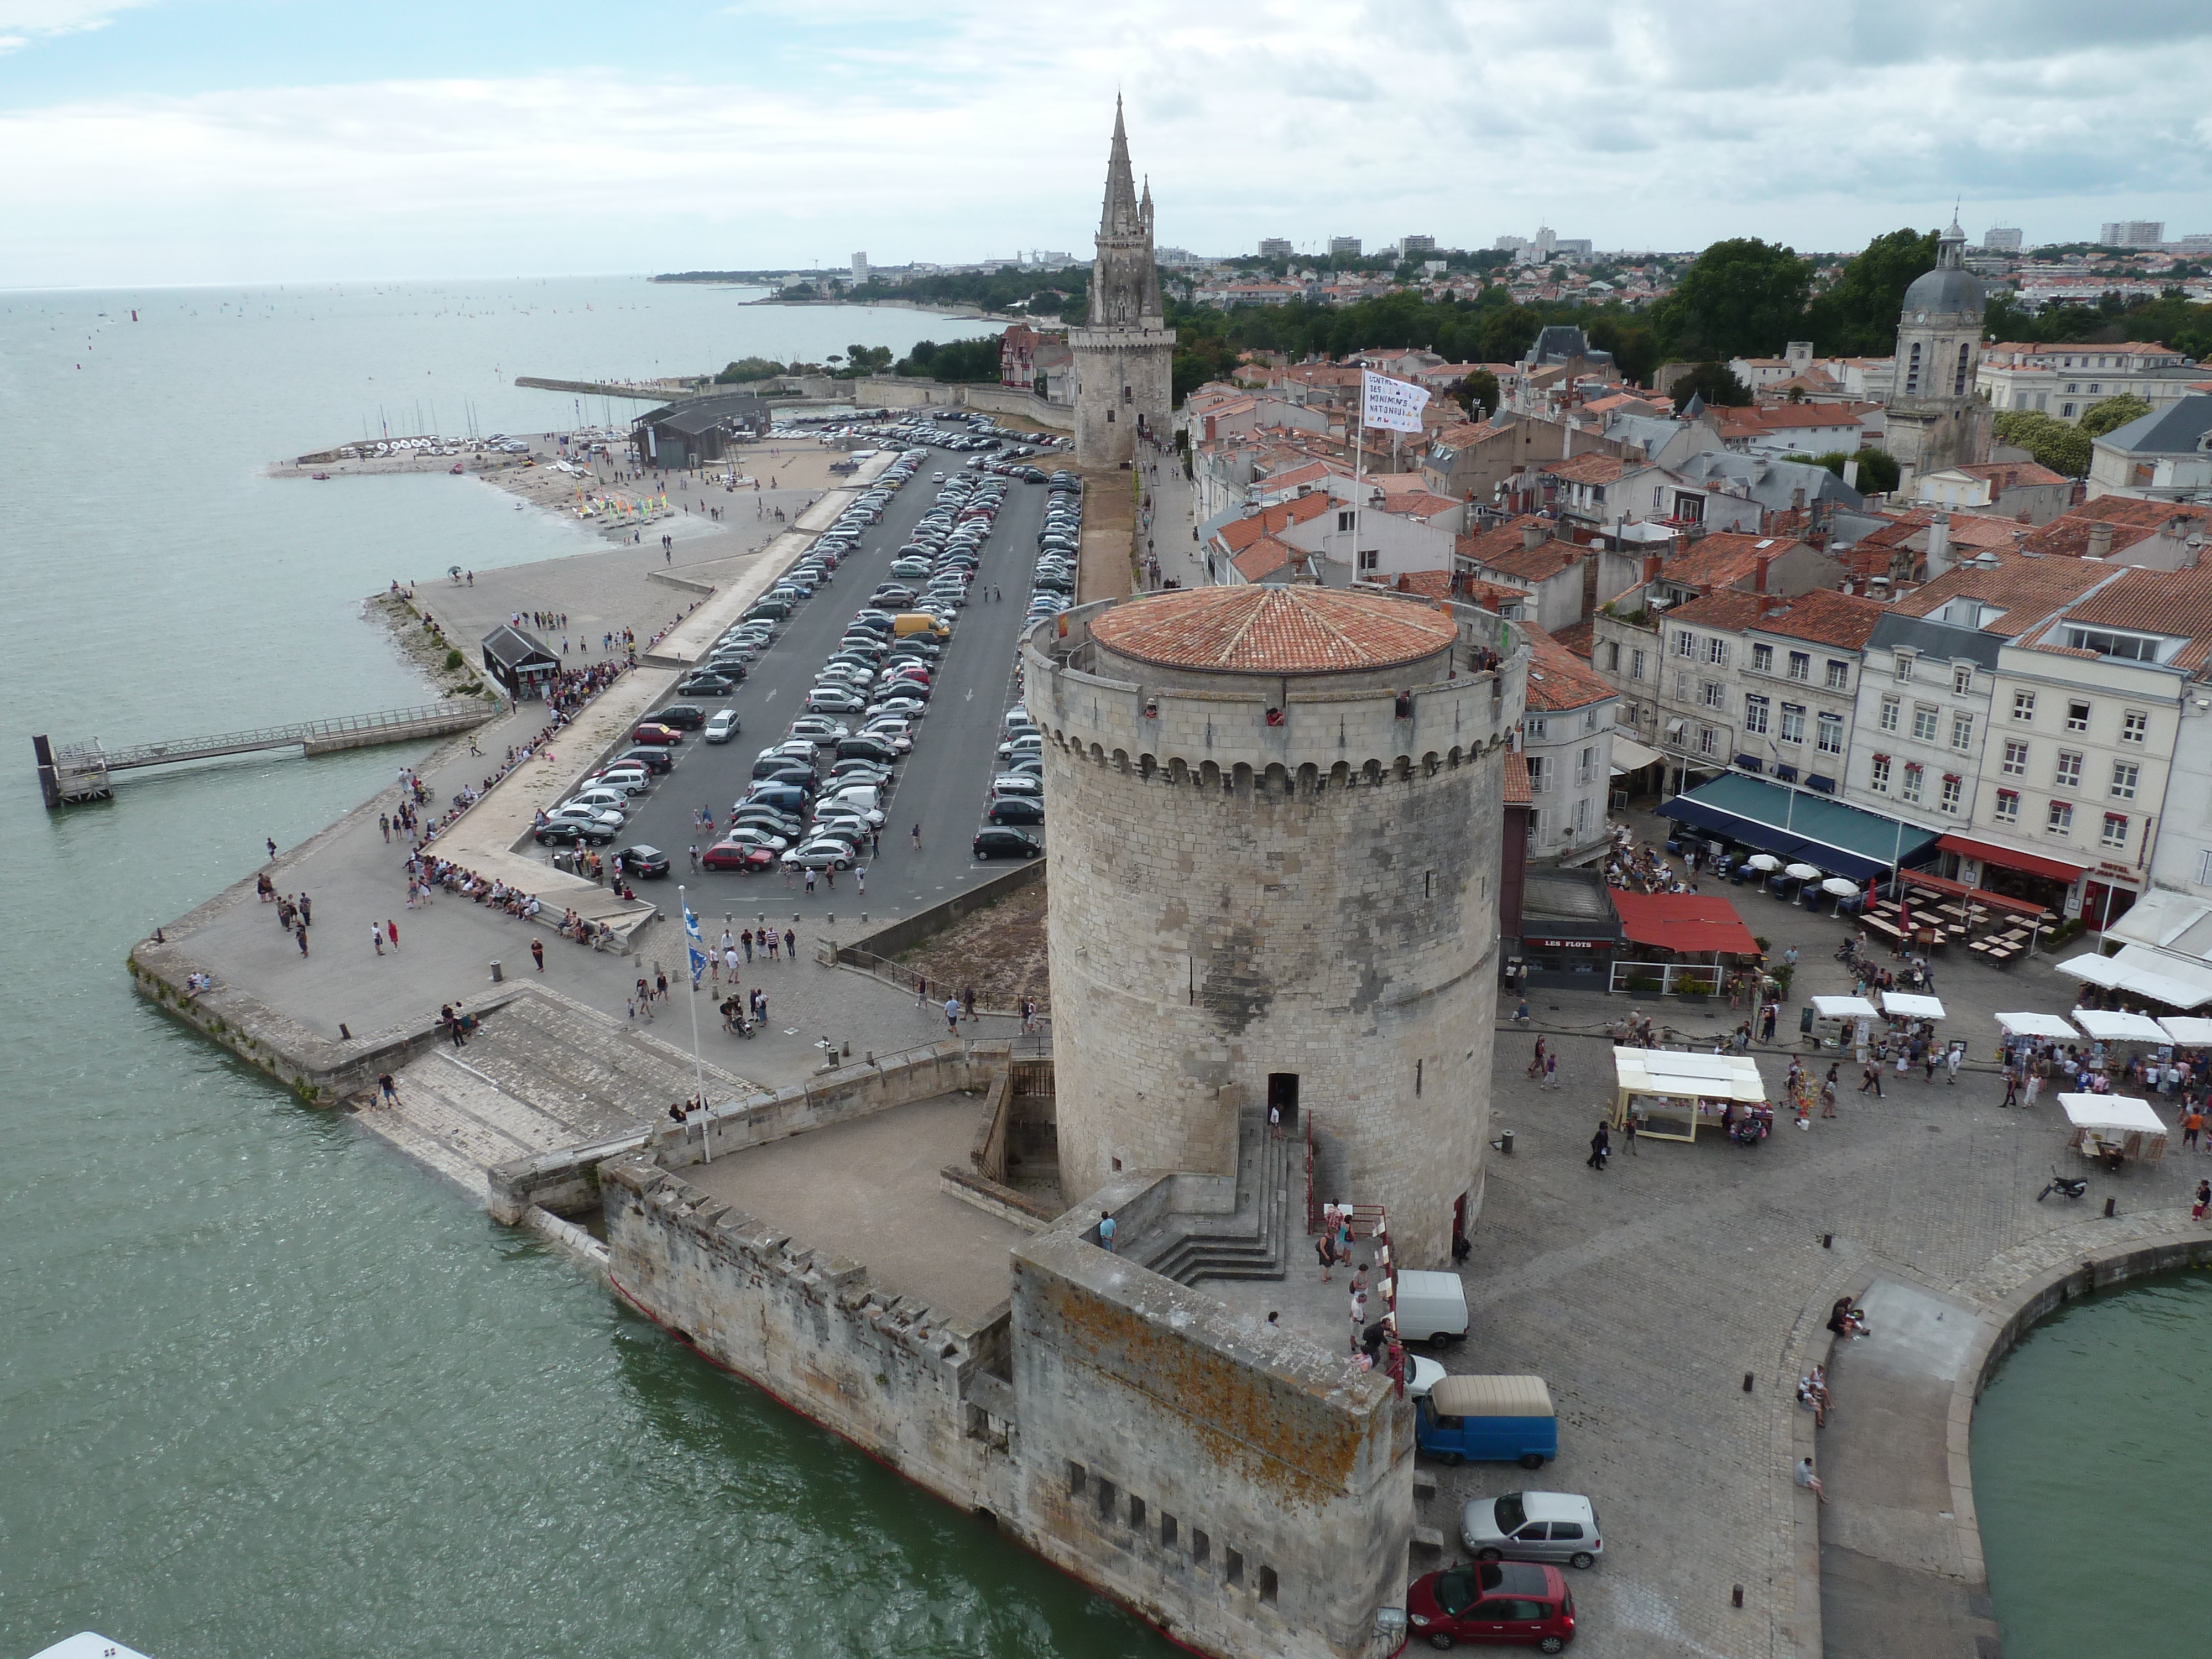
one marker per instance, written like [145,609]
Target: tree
[1742,298]
[958,360]
[1878,471]
[2112,414]
[2054,444]
[749,368]
[1633,342]
[1714,383]
[865,360]
[1857,316]
[1478,392]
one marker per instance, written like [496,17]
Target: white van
[1432,1307]
[865,798]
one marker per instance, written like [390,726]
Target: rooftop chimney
[1653,564]
[1759,572]
[1939,546]
[1797,499]
[2100,539]
[1534,536]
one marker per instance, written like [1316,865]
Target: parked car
[722,728]
[1494,1602]
[704,685]
[654,731]
[823,853]
[652,760]
[1015,809]
[646,863]
[834,699]
[683,716]
[1017,783]
[1005,844]
[574,832]
[1533,1526]
[1493,1418]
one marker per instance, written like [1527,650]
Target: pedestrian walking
[861,878]
[538,950]
[2012,1085]
[660,984]
[1274,1121]
[1325,1248]
[272,849]
[1601,1145]
[917,840]
[2192,1125]
[1628,1134]
[386,1089]
[376,937]
[746,938]
[1871,1077]
[968,1000]
[1828,1094]
[1551,1072]
[306,910]
[810,883]
[2203,1199]
[790,945]
[299,932]
[392,931]
[384,822]
[952,1014]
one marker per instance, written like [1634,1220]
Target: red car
[654,731]
[742,857]
[1516,1602]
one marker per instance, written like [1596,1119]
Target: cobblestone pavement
[1646,1293]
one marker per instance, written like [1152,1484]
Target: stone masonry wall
[1231,899]
[1240,1488]
[887,1373]
[1106,361]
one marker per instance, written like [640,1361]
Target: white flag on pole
[1395,405]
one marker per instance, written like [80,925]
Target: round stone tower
[1274,817]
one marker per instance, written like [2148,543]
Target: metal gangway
[85,771]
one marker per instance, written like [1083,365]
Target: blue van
[1494,1419]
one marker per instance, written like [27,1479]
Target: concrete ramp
[543,1074]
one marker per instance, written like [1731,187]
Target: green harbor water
[2092,1465]
[267,1388]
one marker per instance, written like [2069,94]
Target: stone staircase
[542,1074]
[1253,1242]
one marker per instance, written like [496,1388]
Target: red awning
[1990,852]
[1692,923]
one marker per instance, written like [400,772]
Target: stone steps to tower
[1252,1242]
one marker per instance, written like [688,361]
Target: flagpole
[698,1066]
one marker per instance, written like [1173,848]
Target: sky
[148,142]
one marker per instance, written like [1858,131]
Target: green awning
[1801,826]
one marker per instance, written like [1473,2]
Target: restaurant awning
[1978,894]
[1630,756]
[1990,852]
[1800,826]
[1695,924]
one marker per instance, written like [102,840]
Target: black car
[652,760]
[1006,844]
[865,748]
[683,716]
[712,684]
[646,863]
[1015,809]
[573,835]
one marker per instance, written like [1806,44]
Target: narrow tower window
[1913,369]
[1958,381]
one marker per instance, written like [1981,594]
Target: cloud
[965,131]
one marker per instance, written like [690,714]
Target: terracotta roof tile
[1264,558]
[1501,548]
[1823,616]
[1726,611]
[1557,677]
[1518,791]
[1581,638]
[1241,533]
[2177,603]
[1591,469]
[1274,631]
[2132,521]
[1724,558]
[2025,589]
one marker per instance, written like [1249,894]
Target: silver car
[1531,1526]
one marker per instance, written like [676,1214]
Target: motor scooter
[2064,1186]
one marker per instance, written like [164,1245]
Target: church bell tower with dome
[1124,379]
[1936,418]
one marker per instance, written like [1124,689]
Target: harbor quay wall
[927,1395]
[1239,1488]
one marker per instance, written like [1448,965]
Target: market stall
[2113,1128]
[2041,1026]
[1904,1005]
[2188,1030]
[2106,1026]
[1671,1095]
[1840,1022]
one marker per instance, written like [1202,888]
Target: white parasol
[1802,873]
[1762,861]
[1839,887]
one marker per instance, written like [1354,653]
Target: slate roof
[1937,641]
[2178,429]
[1769,482]
[1274,631]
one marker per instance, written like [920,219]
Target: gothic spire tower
[1124,353]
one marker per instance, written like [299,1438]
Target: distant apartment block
[1343,247]
[1415,248]
[859,269]
[2001,239]
[2133,232]
[1276,247]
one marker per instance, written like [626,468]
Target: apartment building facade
[1566,740]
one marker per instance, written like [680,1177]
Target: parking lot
[942,784]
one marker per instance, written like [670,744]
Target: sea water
[266,1386]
